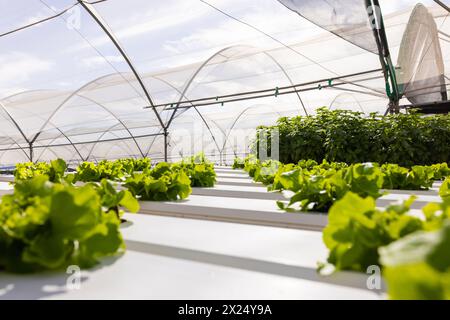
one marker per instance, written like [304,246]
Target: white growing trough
[238,246]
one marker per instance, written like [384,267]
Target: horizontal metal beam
[292,91]
[87,142]
[269,92]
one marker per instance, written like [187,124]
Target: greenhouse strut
[87,142]
[216,99]
[91,11]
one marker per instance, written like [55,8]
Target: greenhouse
[225,150]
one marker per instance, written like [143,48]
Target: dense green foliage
[356,230]
[112,170]
[160,184]
[55,170]
[170,182]
[50,226]
[132,165]
[50,223]
[345,136]
[411,249]
[199,169]
[315,187]
[113,200]
[416,178]
[417,267]
[238,163]
[317,192]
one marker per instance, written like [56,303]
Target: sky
[170,40]
[156,34]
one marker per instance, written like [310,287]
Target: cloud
[17,68]
[97,61]
[152,20]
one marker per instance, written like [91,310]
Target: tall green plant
[347,136]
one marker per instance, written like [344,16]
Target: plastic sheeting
[68,92]
[420,64]
[347,19]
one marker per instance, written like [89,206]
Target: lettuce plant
[50,226]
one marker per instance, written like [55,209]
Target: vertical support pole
[166,134]
[31,151]
[376,20]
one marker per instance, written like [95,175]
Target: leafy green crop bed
[50,223]
[410,249]
[45,225]
[346,136]
[315,187]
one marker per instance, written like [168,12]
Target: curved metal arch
[151,145]
[9,146]
[18,146]
[218,53]
[66,137]
[61,105]
[48,122]
[195,74]
[98,19]
[99,140]
[77,93]
[120,146]
[118,119]
[183,93]
[2,106]
[342,94]
[204,119]
[288,77]
[52,151]
[236,121]
[193,106]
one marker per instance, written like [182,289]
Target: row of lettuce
[51,220]
[411,249]
[315,187]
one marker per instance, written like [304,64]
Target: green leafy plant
[132,165]
[113,200]
[90,172]
[315,191]
[441,171]
[444,190]
[351,137]
[238,163]
[417,267]
[356,230]
[199,169]
[50,226]
[55,170]
[315,187]
[400,178]
[160,184]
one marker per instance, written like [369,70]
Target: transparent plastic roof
[107,79]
